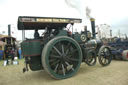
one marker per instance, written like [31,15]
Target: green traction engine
[60,51]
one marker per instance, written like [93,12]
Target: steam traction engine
[60,51]
[10,49]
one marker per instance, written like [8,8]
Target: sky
[111,12]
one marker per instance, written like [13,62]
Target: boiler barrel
[94,44]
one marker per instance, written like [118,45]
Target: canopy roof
[7,37]
[32,23]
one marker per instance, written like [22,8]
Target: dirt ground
[114,74]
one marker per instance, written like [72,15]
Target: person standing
[6,51]
[36,34]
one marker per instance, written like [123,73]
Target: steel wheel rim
[63,71]
[105,56]
[91,58]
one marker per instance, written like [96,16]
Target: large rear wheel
[61,57]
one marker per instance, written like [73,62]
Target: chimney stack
[9,30]
[93,27]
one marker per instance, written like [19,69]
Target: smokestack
[93,27]
[9,30]
[111,33]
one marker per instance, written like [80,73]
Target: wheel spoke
[73,51]
[69,65]
[62,49]
[107,60]
[73,59]
[65,66]
[68,45]
[104,60]
[54,56]
[68,56]
[67,51]
[102,57]
[91,59]
[56,68]
[107,54]
[52,60]
[63,69]
[57,50]
[102,53]
[54,63]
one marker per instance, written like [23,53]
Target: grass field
[114,74]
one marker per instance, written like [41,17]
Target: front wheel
[91,57]
[105,56]
[61,57]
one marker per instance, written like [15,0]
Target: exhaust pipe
[93,27]
[9,30]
